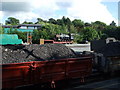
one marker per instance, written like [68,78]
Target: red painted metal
[15,74]
[19,74]
[58,42]
[64,42]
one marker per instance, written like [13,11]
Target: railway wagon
[37,72]
[114,64]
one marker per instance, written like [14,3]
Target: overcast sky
[86,10]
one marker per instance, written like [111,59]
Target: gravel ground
[35,52]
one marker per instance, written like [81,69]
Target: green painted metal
[9,39]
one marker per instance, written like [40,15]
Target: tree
[78,38]
[21,35]
[12,21]
[78,24]
[111,31]
[53,21]
[1,30]
[64,20]
[87,24]
[112,23]
[72,29]
[89,34]
[69,24]
[60,22]
[118,33]
[39,19]
[98,25]
[25,22]
[36,36]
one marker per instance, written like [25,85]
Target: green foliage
[78,24]
[36,36]
[10,31]
[21,35]
[112,31]
[87,24]
[118,33]
[12,21]
[81,30]
[53,21]
[89,34]
[60,22]
[25,22]
[1,30]
[72,29]
[104,36]
[112,23]
[78,38]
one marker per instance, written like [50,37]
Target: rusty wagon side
[35,72]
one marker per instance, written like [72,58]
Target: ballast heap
[107,58]
[35,52]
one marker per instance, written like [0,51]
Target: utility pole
[29,37]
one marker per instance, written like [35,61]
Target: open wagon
[35,72]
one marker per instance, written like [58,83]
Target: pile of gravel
[110,49]
[35,52]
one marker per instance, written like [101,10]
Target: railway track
[71,84]
[94,78]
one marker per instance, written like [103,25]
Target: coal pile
[35,52]
[110,49]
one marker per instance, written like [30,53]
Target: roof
[17,26]
[9,26]
[31,25]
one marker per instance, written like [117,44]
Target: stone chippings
[35,52]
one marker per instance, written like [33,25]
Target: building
[97,44]
[30,26]
[24,26]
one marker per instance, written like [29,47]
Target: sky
[87,10]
